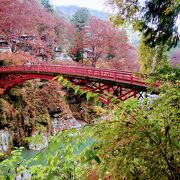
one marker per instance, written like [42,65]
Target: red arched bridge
[121,84]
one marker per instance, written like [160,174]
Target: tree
[31,18]
[64,31]
[80,18]
[97,38]
[47,5]
[151,59]
[17,58]
[105,41]
[23,16]
[144,145]
[156,19]
[77,46]
[129,62]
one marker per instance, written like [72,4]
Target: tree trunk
[153,65]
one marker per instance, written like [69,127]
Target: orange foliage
[22,16]
[18,58]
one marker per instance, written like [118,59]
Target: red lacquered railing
[103,74]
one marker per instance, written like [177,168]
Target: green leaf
[82,92]
[60,79]
[89,95]
[68,85]
[65,82]
[76,89]
[96,158]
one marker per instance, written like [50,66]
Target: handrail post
[131,81]
[115,76]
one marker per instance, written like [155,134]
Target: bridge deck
[108,76]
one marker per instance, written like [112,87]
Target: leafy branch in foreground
[66,157]
[147,145]
[78,90]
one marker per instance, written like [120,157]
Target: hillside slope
[69,11]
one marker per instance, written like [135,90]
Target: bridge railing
[106,74]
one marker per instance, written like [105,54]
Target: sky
[93,4]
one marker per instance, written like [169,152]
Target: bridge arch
[11,80]
[122,84]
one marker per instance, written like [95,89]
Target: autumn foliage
[98,38]
[22,16]
[19,17]
[31,18]
[104,42]
[17,58]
